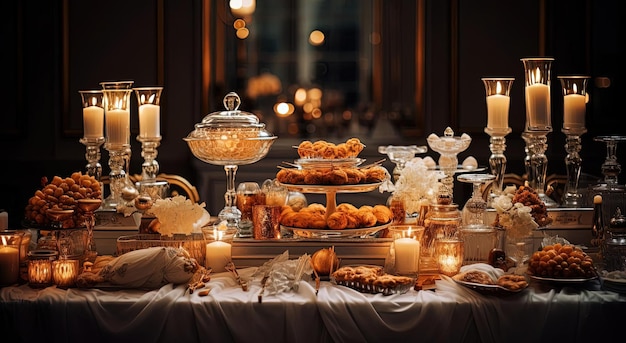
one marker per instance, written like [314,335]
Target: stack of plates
[614,281]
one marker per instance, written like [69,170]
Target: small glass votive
[266,221]
[406,248]
[40,267]
[65,272]
[449,254]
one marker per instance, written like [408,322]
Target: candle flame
[537,76]
[498,88]
[94,101]
[151,100]
[574,89]
[4,241]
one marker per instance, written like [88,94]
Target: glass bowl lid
[232,117]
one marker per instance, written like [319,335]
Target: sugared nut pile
[561,261]
[61,193]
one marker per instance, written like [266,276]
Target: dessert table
[449,313]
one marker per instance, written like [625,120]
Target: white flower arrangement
[417,185]
[516,218]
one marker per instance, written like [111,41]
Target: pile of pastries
[327,150]
[561,261]
[332,176]
[61,193]
[345,216]
[511,282]
[371,279]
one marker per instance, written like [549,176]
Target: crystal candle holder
[149,107]
[64,272]
[537,75]
[40,268]
[449,254]
[406,248]
[117,123]
[10,242]
[93,129]
[498,102]
[574,108]
[448,146]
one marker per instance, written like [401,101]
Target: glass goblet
[89,206]
[476,205]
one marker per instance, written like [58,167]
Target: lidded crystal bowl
[230,137]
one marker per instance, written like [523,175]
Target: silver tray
[365,232]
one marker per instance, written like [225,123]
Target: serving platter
[563,280]
[488,289]
[325,163]
[365,232]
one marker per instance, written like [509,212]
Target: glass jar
[40,267]
[441,222]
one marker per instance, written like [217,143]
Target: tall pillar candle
[118,126]
[149,120]
[93,122]
[498,111]
[574,111]
[538,105]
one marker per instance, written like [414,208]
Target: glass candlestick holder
[448,146]
[537,77]
[498,102]
[117,174]
[537,146]
[117,123]
[574,108]
[92,155]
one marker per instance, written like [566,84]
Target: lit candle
[218,254]
[449,254]
[498,111]
[574,111]
[118,126]
[64,272]
[9,265]
[407,256]
[93,122]
[538,105]
[149,120]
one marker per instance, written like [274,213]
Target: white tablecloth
[451,313]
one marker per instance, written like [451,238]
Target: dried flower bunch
[178,215]
[520,211]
